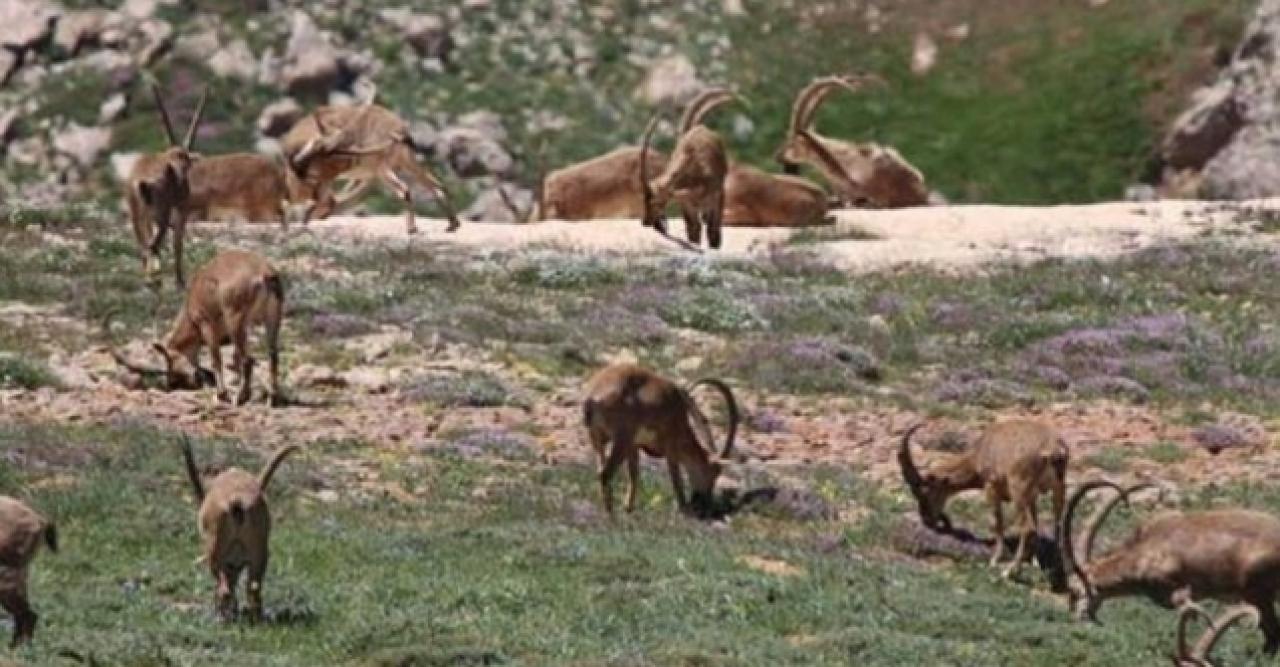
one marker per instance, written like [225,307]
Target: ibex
[628,409]
[1013,461]
[157,186]
[362,143]
[22,531]
[861,174]
[234,291]
[753,198]
[694,175]
[601,188]
[1175,557]
[1199,655]
[235,528]
[241,185]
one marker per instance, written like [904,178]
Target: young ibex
[1199,655]
[156,188]
[22,531]
[235,528]
[861,174]
[628,409]
[1175,557]
[694,175]
[362,143]
[234,291]
[247,186]
[753,198]
[1013,461]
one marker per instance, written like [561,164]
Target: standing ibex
[241,185]
[628,409]
[1198,655]
[363,143]
[22,531]
[694,176]
[1175,557]
[235,528]
[1013,461]
[860,173]
[157,186]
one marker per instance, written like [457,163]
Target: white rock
[671,81]
[8,64]
[924,54]
[7,121]
[310,62]
[122,165]
[24,23]
[199,46]
[734,8]
[112,108]
[235,60]
[373,347]
[84,144]
[139,9]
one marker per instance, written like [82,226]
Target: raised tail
[192,472]
[264,479]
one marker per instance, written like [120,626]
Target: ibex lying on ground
[1198,656]
[694,175]
[1175,557]
[235,528]
[363,143]
[601,188]
[753,198]
[241,185]
[861,174]
[22,531]
[1013,461]
[234,291]
[628,409]
[157,186]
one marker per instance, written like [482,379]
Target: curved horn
[703,104]
[1186,614]
[735,416]
[1220,626]
[911,475]
[828,163]
[520,217]
[1066,537]
[1104,510]
[134,368]
[820,89]
[193,473]
[164,114]
[189,141]
[646,192]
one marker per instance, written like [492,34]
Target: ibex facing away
[867,174]
[22,531]
[628,409]
[364,143]
[1175,557]
[156,188]
[1013,461]
[235,528]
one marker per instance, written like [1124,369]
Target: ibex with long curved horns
[1175,557]
[861,174]
[156,188]
[629,409]
[1199,655]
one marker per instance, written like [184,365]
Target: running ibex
[1013,461]
[361,143]
[629,409]
[22,531]
[156,188]
[861,174]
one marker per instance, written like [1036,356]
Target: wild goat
[1175,557]
[601,188]
[235,290]
[861,174]
[1198,655]
[22,531]
[753,198]
[157,186]
[241,185]
[363,143]
[235,528]
[628,408]
[694,175]
[1013,461]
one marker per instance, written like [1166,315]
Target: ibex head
[1083,593]
[177,158]
[800,145]
[703,478]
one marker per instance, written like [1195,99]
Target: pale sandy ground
[948,237]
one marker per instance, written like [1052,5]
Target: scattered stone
[111,109]
[122,165]
[428,34]
[308,376]
[84,144]
[370,379]
[924,54]
[26,23]
[199,46]
[139,9]
[671,81]
[8,65]
[377,346]
[276,118]
[1141,192]
[8,120]
[473,147]
[77,29]
[235,60]
[310,62]
[490,207]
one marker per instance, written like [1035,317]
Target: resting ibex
[1198,655]
[157,186]
[628,409]
[241,185]
[235,528]
[1013,461]
[22,531]
[234,291]
[861,174]
[362,143]
[1175,557]
[753,198]
[601,188]
[694,175]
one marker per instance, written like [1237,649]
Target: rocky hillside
[1021,101]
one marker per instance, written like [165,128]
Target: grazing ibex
[694,175]
[22,531]
[235,528]
[1013,461]
[157,187]
[861,174]
[362,143]
[628,408]
[248,186]
[753,198]
[1198,655]
[234,291]
[1175,557]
